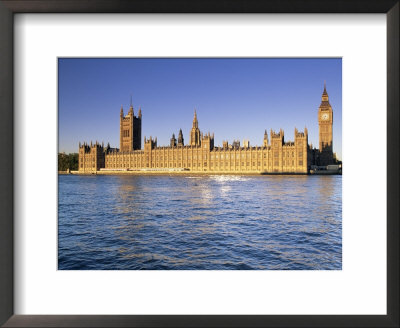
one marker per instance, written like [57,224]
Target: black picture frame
[7,10]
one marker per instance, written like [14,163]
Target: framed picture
[63,81]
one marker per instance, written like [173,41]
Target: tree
[68,161]
[73,161]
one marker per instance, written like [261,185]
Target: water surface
[219,222]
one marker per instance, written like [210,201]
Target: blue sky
[235,98]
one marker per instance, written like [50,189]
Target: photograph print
[199,164]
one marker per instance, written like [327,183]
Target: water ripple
[200,222]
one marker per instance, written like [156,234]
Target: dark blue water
[200,222]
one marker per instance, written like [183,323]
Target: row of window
[161,158]
[243,154]
[87,165]
[226,164]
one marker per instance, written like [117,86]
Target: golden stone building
[325,121]
[275,155]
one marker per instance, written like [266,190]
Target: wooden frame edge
[6,165]
[9,8]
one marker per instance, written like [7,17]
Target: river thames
[207,222]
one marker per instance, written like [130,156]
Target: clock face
[325,116]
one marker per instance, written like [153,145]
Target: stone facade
[91,157]
[325,122]
[130,126]
[275,155]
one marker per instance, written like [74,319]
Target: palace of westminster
[275,155]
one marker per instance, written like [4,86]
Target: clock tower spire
[325,122]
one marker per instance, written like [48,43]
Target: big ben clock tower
[325,121]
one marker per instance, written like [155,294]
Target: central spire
[195,122]
[195,139]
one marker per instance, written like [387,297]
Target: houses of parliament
[200,155]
